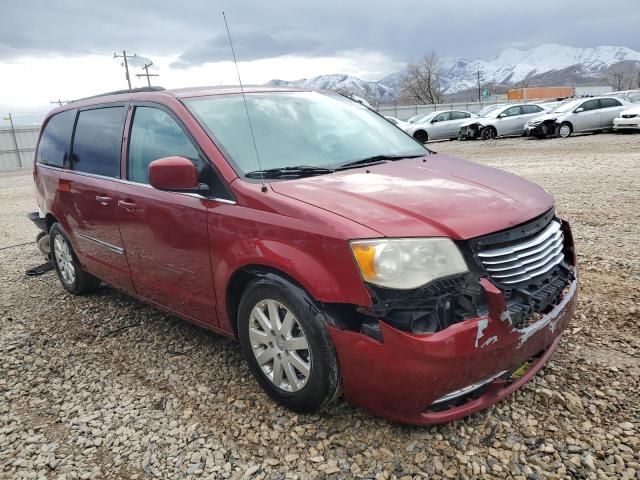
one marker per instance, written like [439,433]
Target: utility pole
[478,73]
[147,74]
[618,77]
[15,140]
[126,64]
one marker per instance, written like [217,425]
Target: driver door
[511,121]
[589,117]
[440,126]
[164,234]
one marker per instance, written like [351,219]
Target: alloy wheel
[279,345]
[565,130]
[64,260]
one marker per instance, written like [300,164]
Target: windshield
[566,106]
[295,129]
[488,109]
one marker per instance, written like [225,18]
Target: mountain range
[544,65]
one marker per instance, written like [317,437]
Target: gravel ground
[103,386]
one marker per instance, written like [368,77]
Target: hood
[443,196]
[546,116]
[631,111]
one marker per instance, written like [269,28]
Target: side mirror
[502,115]
[578,110]
[175,174]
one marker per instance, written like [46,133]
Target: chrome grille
[527,259]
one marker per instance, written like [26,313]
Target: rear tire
[488,133]
[564,130]
[285,341]
[73,278]
[421,136]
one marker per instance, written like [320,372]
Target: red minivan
[344,255]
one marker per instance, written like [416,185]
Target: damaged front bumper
[443,376]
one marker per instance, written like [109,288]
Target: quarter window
[154,135]
[97,141]
[55,142]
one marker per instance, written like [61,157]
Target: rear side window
[527,109]
[56,140]
[459,115]
[609,102]
[97,141]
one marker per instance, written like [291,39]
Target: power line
[126,64]
[147,74]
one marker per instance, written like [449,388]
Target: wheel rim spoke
[258,337]
[302,366]
[262,319]
[279,345]
[266,356]
[296,343]
[277,371]
[64,260]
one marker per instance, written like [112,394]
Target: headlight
[406,263]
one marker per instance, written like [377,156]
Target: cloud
[249,45]
[403,30]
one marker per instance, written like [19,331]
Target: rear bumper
[402,376]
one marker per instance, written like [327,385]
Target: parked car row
[540,120]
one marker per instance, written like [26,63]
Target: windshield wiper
[289,172]
[375,160]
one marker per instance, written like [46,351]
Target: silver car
[500,122]
[438,125]
[580,115]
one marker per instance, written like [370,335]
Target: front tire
[564,130]
[286,344]
[73,278]
[488,133]
[421,136]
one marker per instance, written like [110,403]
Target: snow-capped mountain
[547,64]
[341,83]
[514,65]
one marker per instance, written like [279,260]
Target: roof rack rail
[116,92]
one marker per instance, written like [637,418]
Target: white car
[499,122]
[628,120]
[438,125]
[396,121]
[580,115]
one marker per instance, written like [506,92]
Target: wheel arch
[241,278]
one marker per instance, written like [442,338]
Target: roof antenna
[244,99]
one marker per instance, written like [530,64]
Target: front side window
[154,135]
[590,105]
[443,117]
[298,129]
[97,141]
[55,142]
[512,111]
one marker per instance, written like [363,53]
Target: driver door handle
[103,200]
[128,206]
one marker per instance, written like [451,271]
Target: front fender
[323,267]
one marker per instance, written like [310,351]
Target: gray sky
[371,38]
